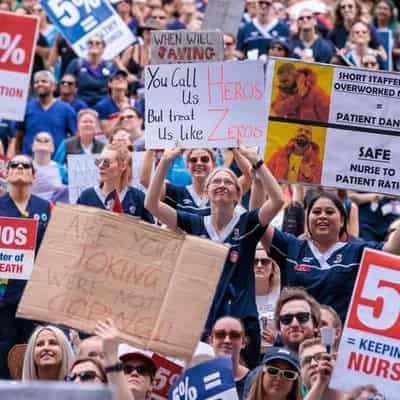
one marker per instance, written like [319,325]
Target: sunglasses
[306,17]
[84,376]
[67,83]
[203,159]
[42,140]
[16,164]
[140,369]
[284,373]
[301,317]
[221,334]
[307,360]
[263,261]
[105,162]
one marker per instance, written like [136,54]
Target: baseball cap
[119,72]
[126,352]
[279,353]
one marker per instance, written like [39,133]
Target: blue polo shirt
[59,120]
[235,293]
[329,276]
[322,49]
[38,209]
[78,105]
[107,109]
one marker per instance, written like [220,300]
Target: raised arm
[153,203]
[393,243]
[244,165]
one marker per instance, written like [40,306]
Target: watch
[118,367]
[258,164]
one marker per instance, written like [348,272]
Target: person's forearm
[271,185]
[257,195]
[117,379]
[393,244]
[146,167]
[362,198]
[153,194]
[245,168]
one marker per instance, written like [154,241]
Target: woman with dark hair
[87,370]
[323,264]
[347,13]
[278,378]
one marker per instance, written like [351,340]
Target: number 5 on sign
[375,306]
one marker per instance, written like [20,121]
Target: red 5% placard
[375,306]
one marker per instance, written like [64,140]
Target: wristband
[118,367]
[258,164]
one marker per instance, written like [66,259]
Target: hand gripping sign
[17,247]
[369,351]
[17,41]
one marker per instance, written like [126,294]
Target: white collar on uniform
[200,202]
[220,236]
[265,29]
[102,196]
[323,257]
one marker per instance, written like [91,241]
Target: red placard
[18,233]
[166,375]
[375,307]
[17,41]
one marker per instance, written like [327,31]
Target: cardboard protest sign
[17,247]
[209,105]
[173,47]
[333,126]
[210,380]
[79,20]
[46,390]
[369,349]
[224,15]
[18,35]
[157,285]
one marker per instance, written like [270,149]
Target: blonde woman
[49,355]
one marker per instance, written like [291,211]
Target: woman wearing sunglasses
[199,164]
[235,294]
[278,378]
[114,192]
[87,370]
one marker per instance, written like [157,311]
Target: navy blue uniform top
[339,35]
[132,201]
[329,276]
[323,50]
[107,109]
[38,209]
[235,293]
[185,198]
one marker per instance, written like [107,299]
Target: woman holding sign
[235,294]
[323,264]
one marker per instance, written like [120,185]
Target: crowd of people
[267,314]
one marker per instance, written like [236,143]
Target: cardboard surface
[157,285]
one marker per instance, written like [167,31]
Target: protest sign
[333,126]
[79,20]
[224,15]
[210,380]
[369,351]
[157,285]
[173,47]
[204,105]
[17,246]
[18,35]
[42,390]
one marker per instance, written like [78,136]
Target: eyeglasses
[302,318]
[140,369]
[84,376]
[67,83]
[203,159]
[370,64]
[16,164]
[263,261]
[105,162]
[129,116]
[306,17]
[349,6]
[307,360]
[284,373]
[221,334]
[42,140]
[95,43]
[159,17]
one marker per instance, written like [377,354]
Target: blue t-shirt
[185,198]
[38,209]
[78,105]
[252,36]
[107,109]
[235,293]
[177,172]
[59,120]
[329,276]
[322,49]
[339,35]
[132,201]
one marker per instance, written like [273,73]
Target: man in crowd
[68,89]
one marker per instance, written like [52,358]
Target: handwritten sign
[172,47]
[369,349]
[224,15]
[341,121]
[17,247]
[17,47]
[156,285]
[210,380]
[209,105]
